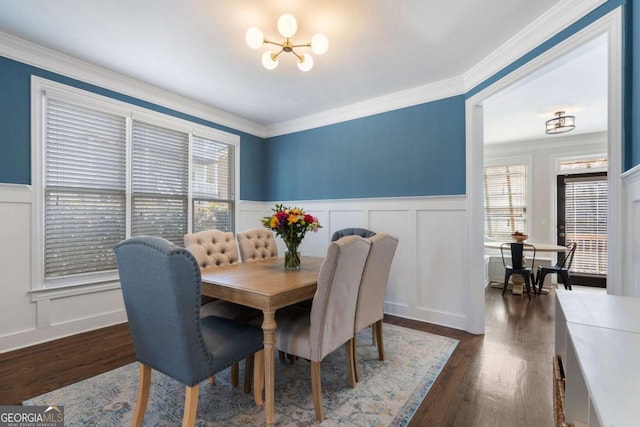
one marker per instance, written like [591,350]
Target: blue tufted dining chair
[161,288]
[216,248]
[353,231]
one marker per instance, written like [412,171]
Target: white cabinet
[598,339]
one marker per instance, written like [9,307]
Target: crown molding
[392,101]
[38,56]
[542,29]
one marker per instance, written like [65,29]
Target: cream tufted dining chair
[212,248]
[257,244]
[215,248]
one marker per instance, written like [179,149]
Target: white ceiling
[575,84]
[196,48]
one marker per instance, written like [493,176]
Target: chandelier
[560,123]
[287,27]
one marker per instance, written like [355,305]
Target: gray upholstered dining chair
[313,334]
[216,248]
[161,288]
[373,286]
[353,231]
[257,244]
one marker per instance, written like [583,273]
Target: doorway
[611,25]
[582,218]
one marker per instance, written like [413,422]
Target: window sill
[72,290]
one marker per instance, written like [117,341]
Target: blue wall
[633,85]
[15,113]
[413,151]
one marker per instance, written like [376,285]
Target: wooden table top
[264,285]
[540,247]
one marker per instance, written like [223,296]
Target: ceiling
[575,84]
[196,48]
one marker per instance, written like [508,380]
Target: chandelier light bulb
[268,62]
[287,25]
[254,38]
[307,62]
[319,43]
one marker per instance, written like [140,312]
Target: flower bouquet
[291,224]
[519,236]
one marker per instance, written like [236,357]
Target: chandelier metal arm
[302,45]
[267,41]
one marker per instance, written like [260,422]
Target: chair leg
[379,340]
[373,335]
[316,390]
[235,375]
[143,395]
[248,373]
[258,377]
[566,279]
[356,369]
[527,282]
[506,280]
[190,406]
[348,349]
[541,275]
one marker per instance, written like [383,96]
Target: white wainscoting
[427,280]
[631,248]
[25,320]
[428,277]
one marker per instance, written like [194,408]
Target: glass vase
[292,257]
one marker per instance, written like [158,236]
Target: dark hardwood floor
[502,378]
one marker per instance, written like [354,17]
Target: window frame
[527,161]
[42,288]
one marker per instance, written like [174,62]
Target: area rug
[388,394]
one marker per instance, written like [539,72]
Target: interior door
[582,218]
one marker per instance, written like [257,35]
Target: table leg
[269,331]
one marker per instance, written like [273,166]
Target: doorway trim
[611,25]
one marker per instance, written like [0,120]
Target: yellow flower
[274,222]
[296,211]
[293,219]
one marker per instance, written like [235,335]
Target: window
[586,221]
[505,200]
[108,170]
[213,183]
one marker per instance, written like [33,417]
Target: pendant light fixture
[560,123]
[287,27]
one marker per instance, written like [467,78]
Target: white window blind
[108,170]
[160,182]
[213,184]
[505,200]
[586,222]
[85,188]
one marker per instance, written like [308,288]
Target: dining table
[267,286]
[540,247]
